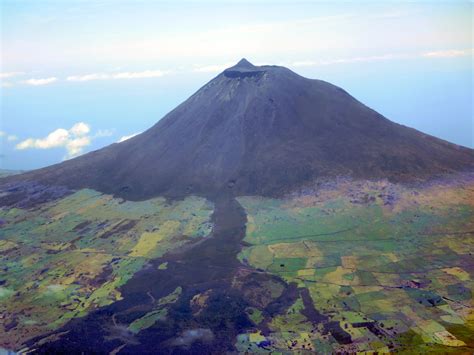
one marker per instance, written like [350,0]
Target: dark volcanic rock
[258,130]
[28,194]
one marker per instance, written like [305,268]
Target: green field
[393,275]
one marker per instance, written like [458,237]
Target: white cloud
[87,77]
[5,75]
[75,146]
[121,75]
[124,138]
[212,68]
[9,137]
[5,84]
[450,53]
[73,140]
[55,139]
[103,133]
[39,82]
[80,129]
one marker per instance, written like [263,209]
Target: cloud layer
[123,75]
[5,75]
[74,140]
[40,82]
[450,53]
[214,68]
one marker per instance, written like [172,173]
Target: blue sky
[79,75]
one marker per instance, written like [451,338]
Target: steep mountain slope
[259,130]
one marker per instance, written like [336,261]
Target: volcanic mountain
[225,271]
[259,130]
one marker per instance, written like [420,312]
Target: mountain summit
[258,130]
[242,69]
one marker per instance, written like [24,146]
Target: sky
[76,76]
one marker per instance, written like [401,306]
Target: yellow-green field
[63,259]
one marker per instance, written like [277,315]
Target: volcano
[259,130]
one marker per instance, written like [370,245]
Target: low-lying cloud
[40,82]
[122,75]
[8,137]
[451,53]
[74,140]
[87,77]
[6,75]
[214,68]
[389,56]
[104,133]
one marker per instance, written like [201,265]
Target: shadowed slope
[258,130]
